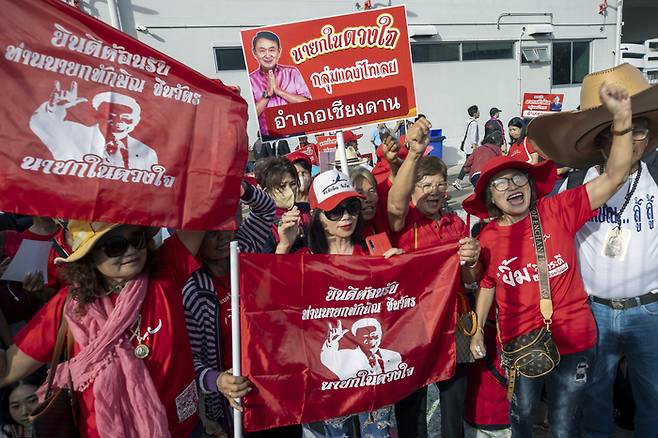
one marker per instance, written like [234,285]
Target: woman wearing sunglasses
[131,361]
[507,191]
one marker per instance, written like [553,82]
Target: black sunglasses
[351,206]
[115,246]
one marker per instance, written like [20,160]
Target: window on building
[488,50]
[535,54]
[229,58]
[434,52]
[570,62]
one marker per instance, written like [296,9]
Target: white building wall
[188,31]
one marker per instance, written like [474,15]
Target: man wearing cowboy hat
[618,248]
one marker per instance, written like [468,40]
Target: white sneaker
[457,185]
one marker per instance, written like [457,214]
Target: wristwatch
[265,95]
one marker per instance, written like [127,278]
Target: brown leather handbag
[534,354]
[57,416]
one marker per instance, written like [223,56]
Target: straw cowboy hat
[353,159]
[568,137]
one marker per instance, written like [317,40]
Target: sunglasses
[351,206]
[115,246]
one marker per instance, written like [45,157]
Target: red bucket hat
[349,136]
[543,175]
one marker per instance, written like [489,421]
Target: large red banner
[330,73]
[325,336]
[95,125]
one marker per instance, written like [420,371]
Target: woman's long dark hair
[35,379]
[519,123]
[317,238]
[86,283]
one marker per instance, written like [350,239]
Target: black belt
[626,303]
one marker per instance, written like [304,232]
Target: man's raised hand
[418,136]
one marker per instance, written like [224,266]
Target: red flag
[95,125]
[325,336]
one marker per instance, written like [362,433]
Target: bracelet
[622,132]
[481,330]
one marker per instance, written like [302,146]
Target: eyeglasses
[501,184]
[351,206]
[115,246]
[429,188]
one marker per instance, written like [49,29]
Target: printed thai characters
[123,78]
[38,60]
[110,53]
[150,65]
[649,207]
[72,68]
[169,181]
[94,161]
[388,36]
[522,275]
[158,87]
[361,36]
[61,167]
[104,171]
[360,108]
[159,173]
[98,74]
[162,68]
[393,103]
[27,55]
[371,107]
[139,61]
[320,116]
[136,84]
[337,109]
[382,102]
[121,174]
[178,91]
[124,57]
[51,63]
[13,53]
[349,37]
[350,111]
[196,99]
[292,119]
[60,36]
[187,96]
[93,47]
[637,213]
[31,163]
[85,72]
[76,43]
[148,177]
[110,78]
[309,117]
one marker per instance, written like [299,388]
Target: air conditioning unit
[536,54]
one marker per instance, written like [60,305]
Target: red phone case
[378,244]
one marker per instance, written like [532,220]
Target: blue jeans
[375,424]
[565,387]
[633,331]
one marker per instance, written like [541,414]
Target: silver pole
[620,23]
[235,329]
[341,153]
[115,18]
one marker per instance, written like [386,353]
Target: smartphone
[378,244]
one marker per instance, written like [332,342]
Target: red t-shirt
[422,232]
[521,151]
[170,358]
[509,255]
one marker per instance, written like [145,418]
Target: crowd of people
[560,257]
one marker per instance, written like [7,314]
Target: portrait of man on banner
[109,139]
[273,84]
[368,356]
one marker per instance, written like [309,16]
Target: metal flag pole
[341,153]
[115,18]
[235,329]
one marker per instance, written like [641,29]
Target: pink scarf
[126,400]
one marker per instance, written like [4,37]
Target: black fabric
[452,399]
[411,415]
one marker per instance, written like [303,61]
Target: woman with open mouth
[532,274]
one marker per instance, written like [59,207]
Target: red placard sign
[535,105]
[330,73]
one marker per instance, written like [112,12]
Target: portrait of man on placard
[273,84]
[368,356]
[108,139]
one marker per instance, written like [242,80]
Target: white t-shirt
[472,135]
[636,275]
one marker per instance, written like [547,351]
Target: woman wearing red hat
[510,192]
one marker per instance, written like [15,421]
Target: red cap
[329,189]
[301,155]
[349,136]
